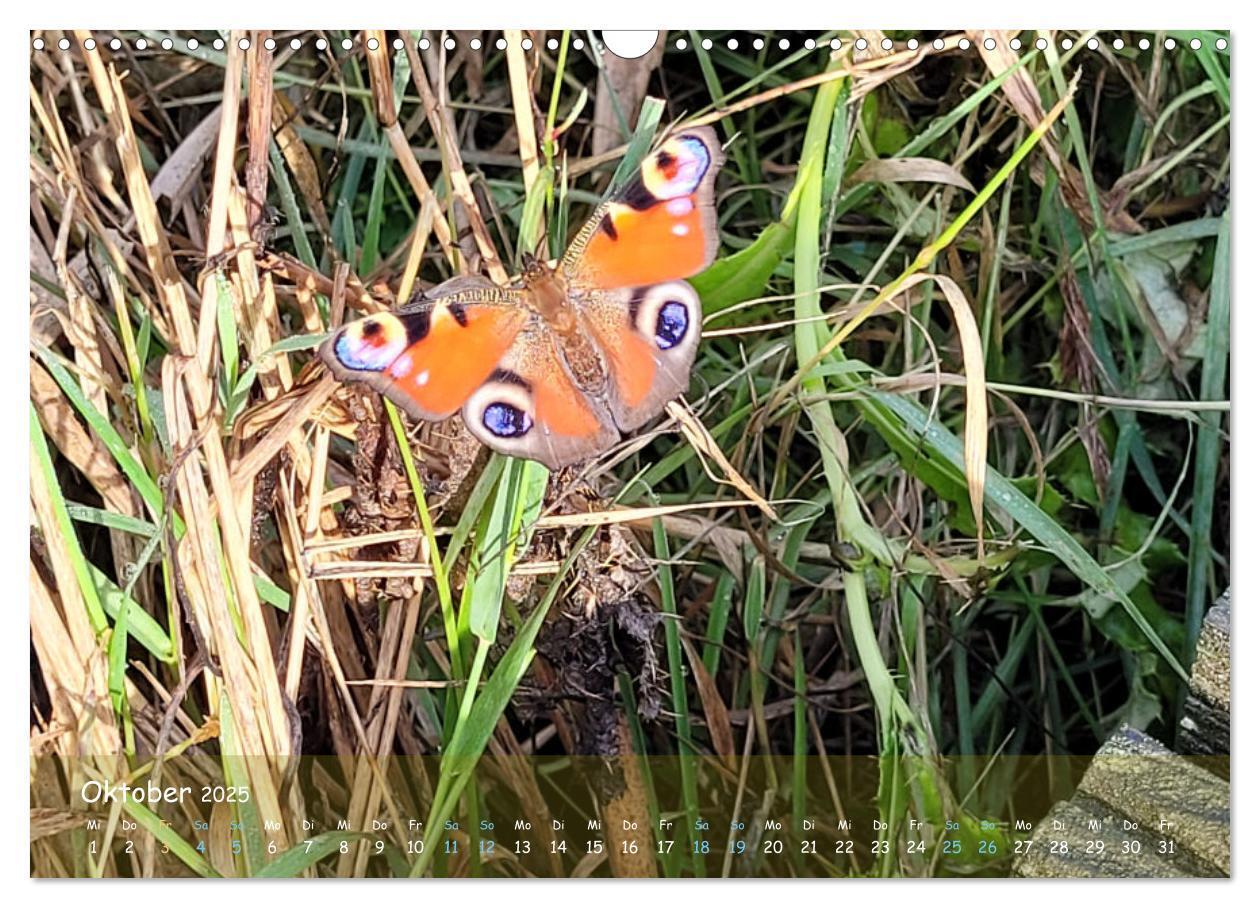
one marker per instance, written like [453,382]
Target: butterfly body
[556,366]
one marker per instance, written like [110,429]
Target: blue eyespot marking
[698,151]
[681,165]
[372,344]
[506,421]
[354,353]
[671,325]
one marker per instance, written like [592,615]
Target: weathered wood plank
[1060,847]
[1142,810]
[1205,721]
[1171,796]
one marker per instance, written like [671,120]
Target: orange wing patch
[635,248]
[660,227]
[532,407]
[442,370]
[561,410]
[429,357]
[631,359]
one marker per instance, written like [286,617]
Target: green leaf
[270,593]
[226,321]
[744,274]
[519,491]
[1207,455]
[640,142]
[471,734]
[65,526]
[140,624]
[235,775]
[240,391]
[86,514]
[106,432]
[754,597]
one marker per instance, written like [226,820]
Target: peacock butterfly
[558,365]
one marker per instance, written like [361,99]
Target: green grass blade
[106,432]
[640,142]
[1207,457]
[65,526]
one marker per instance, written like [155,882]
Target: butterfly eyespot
[677,169]
[506,421]
[372,344]
[671,324]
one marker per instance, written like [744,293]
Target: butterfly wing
[627,265]
[429,356]
[648,337]
[533,407]
[661,226]
[473,344]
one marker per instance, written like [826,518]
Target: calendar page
[564,454]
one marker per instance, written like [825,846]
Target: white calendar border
[811,14]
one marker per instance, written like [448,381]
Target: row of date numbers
[486,847]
